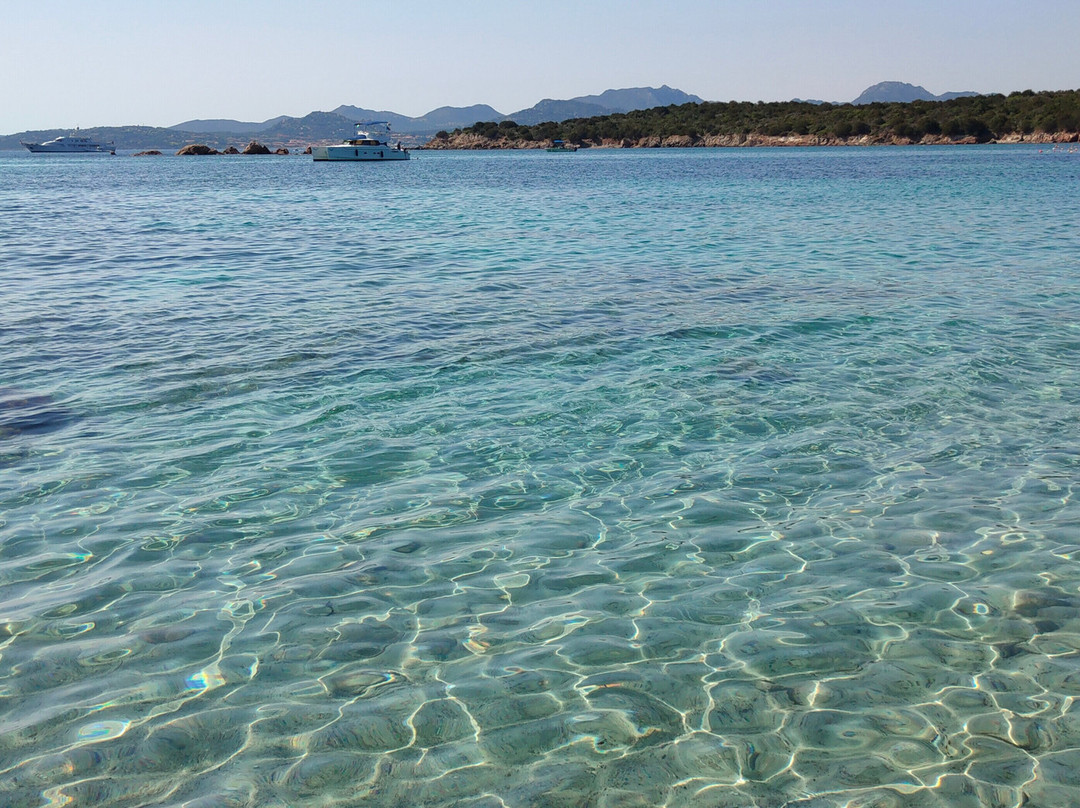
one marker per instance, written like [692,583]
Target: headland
[1024,117]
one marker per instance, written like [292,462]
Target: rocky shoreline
[471,141]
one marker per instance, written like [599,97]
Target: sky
[154,63]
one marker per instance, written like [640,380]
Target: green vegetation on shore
[1019,116]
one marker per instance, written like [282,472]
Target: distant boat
[363,147]
[71,144]
[560,146]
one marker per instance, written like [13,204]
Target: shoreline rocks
[201,149]
[471,141]
[198,149]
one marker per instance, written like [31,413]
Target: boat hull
[349,153]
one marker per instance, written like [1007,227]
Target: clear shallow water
[685,478]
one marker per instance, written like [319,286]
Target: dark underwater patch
[22,413]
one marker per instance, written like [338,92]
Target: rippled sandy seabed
[681,478]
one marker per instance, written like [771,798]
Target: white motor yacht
[70,144]
[364,146]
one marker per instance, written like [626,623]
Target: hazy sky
[65,63]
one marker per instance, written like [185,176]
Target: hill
[443,117]
[887,92]
[213,125]
[607,102]
[355,115]
[625,100]
[1046,117]
[341,121]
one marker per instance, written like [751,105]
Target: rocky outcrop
[148,153]
[1042,137]
[469,140]
[198,149]
[231,150]
[282,150]
[254,147]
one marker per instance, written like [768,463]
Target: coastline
[468,141]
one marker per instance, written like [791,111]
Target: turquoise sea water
[645,478]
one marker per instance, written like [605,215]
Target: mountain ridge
[609,101]
[887,92]
[606,103]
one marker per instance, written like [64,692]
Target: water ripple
[683,478]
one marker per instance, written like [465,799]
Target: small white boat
[71,144]
[364,146]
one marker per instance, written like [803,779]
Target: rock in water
[254,147]
[197,148]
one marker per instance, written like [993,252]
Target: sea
[712,478]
